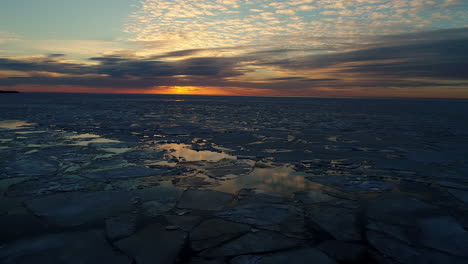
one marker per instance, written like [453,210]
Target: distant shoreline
[8,91]
[257,96]
[252,96]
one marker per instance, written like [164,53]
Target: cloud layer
[421,60]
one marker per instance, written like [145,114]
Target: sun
[183,89]
[176,90]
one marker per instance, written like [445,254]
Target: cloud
[7,37]
[115,71]
[56,55]
[185,25]
[285,12]
[416,58]
[422,36]
[44,63]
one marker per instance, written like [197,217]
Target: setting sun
[194,90]
[184,89]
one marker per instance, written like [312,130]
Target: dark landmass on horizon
[260,96]
[8,91]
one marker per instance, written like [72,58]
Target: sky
[326,48]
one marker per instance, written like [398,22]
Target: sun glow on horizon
[184,89]
[193,90]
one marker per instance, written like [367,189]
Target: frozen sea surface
[196,179]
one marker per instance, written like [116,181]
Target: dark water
[410,139]
[427,137]
[307,150]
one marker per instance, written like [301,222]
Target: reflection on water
[15,124]
[31,132]
[86,135]
[95,140]
[282,180]
[183,151]
[163,163]
[88,138]
[116,150]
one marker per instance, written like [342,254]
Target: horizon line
[266,96]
